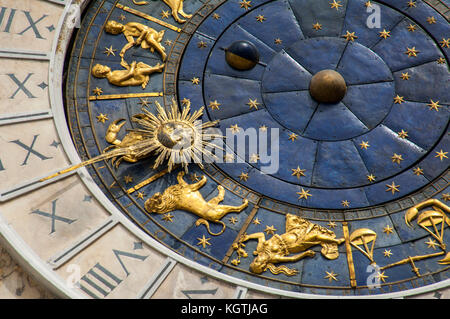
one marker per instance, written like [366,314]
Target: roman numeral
[119,253]
[53,216]
[21,85]
[108,281]
[32,23]
[30,150]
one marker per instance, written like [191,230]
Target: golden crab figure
[178,137]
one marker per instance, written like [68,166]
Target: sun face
[178,137]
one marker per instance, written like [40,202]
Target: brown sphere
[327,86]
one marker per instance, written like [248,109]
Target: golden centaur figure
[175,5]
[146,37]
[138,73]
[299,236]
[184,196]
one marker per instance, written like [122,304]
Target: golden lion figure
[184,196]
[299,236]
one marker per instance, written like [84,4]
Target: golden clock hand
[149,180]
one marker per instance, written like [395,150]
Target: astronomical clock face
[250,148]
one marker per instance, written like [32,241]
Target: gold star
[254,158]
[201,44]
[371,177]
[368,4]
[102,118]
[441,154]
[214,105]
[278,41]
[216,16]
[397,158]
[385,34]
[434,105]
[168,42]
[411,27]
[330,276]
[256,221]
[109,51]
[405,76]
[388,230]
[411,4]
[402,134]
[331,224]
[446,197]
[298,172]
[185,101]
[195,81]
[204,241]
[97,91]
[270,230]
[392,188]
[398,99]
[317,26]
[350,36]
[245,4]
[140,195]
[233,220]
[345,203]
[263,128]
[431,20]
[243,176]
[293,136]
[381,276]
[411,52]
[122,17]
[165,14]
[253,103]
[387,253]
[431,243]
[144,102]
[418,171]
[335,4]
[260,18]
[234,128]
[128,179]
[194,177]
[364,145]
[303,194]
[445,43]
[168,217]
[441,60]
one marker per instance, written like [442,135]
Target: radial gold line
[351,265]
[149,180]
[242,231]
[124,96]
[148,17]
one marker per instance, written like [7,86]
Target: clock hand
[149,180]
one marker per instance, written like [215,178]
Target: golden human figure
[147,37]
[299,236]
[136,73]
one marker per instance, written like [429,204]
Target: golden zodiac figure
[299,236]
[138,73]
[147,37]
[430,221]
[175,5]
[129,139]
[187,197]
